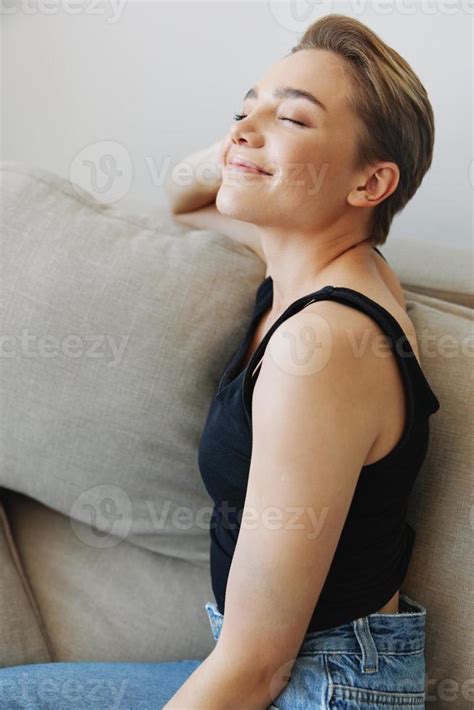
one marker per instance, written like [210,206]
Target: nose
[245,132]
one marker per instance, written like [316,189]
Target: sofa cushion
[441,506]
[116,327]
[114,603]
[433,268]
[23,636]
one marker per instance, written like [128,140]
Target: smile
[233,167]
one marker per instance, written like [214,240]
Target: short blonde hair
[392,103]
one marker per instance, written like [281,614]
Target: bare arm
[195,180]
[209,218]
[312,460]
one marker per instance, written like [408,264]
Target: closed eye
[298,123]
[240,116]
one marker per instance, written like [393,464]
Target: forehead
[318,71]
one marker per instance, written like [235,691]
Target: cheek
[304,173]
[290,157]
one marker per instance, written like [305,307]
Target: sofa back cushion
[441,505]
[433,268]
[116,328]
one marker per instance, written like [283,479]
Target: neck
[297,271]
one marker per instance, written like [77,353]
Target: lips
[238,160]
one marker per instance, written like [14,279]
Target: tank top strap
[417,387]
[262,292]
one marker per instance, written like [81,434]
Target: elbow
[260,683]
[174,197]
[174,209]
[176,205]
[173,202]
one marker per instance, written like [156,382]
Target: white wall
[146,83]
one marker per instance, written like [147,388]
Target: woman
[320,422]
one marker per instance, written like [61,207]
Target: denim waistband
[399,633]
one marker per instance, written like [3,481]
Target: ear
[375,186]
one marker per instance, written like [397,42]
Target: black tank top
[373,552]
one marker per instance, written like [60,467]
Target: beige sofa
[116,326]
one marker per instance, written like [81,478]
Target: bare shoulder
[390,278]
[322,330]
[361,365]
[322,354]
[361,324]
[313,344]
[384,288]
[330,354]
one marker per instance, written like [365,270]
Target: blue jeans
[376,661]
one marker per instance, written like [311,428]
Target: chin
[237,203]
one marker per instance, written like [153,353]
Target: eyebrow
[288,92]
